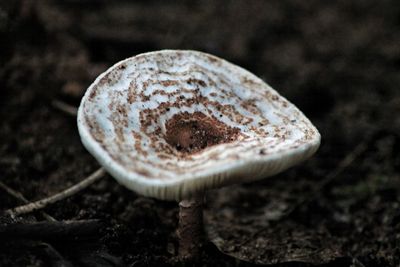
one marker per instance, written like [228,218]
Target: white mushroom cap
[172,123]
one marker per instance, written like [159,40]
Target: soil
[338,61]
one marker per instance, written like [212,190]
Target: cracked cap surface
[171,123]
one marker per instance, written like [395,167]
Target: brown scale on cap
[191,133]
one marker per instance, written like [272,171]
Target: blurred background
[338,61]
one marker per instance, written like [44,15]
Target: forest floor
[338,61]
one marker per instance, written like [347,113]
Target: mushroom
[172,124]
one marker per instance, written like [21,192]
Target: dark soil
[338,61]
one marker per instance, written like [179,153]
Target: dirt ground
[338,61]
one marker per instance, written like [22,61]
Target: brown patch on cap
[190,133]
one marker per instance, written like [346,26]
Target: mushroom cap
[173,123]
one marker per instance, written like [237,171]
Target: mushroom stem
[190,227]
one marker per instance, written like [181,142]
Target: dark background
[338,61]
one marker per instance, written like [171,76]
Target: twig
[20,196]
[69,109]
[356,262]
[343,164]
[346,162]
[56,259]
[65,230]
[53,257]
[40,204]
